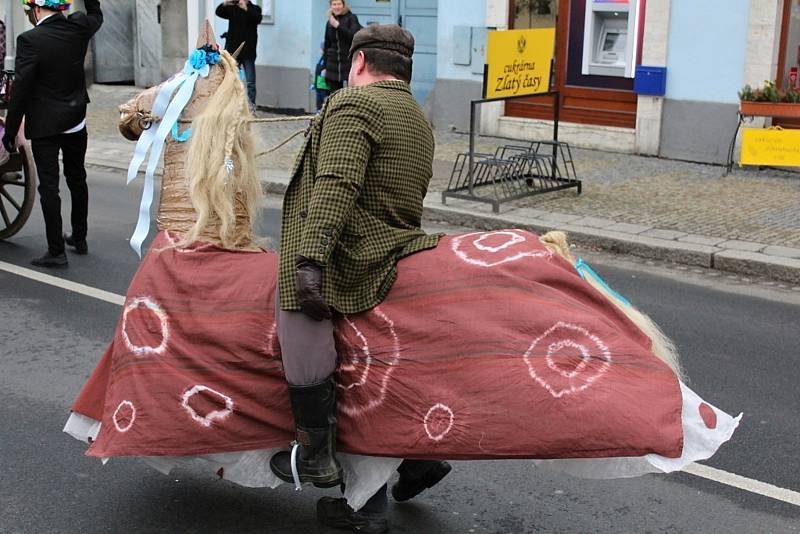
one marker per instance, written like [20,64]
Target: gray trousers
[307,347]
[309,357]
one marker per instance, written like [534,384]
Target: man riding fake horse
[352,209]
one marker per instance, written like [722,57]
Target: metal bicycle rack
[514,171]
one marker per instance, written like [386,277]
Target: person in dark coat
[342,25]
[2,41]
[49,90]
[243,19]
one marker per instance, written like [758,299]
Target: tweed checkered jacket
[354,202]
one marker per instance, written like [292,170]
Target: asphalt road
[739,340]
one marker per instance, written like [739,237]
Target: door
[114,43]
[420,18]
[375,11]
[147,52]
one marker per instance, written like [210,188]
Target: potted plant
[769,101]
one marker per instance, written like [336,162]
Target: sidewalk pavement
[746,223]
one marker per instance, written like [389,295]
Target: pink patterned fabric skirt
[488,346]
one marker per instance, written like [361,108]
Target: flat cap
[384,37]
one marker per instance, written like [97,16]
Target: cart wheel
[17,192]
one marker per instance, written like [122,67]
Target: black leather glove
[9,143]
[309,289]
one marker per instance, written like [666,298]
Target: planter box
[769,109]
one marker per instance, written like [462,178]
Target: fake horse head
[209,190]
[662,346]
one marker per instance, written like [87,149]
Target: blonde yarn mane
[662,346]
[224,196]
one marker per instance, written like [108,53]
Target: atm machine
[610,38]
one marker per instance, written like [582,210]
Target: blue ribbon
[152,141]
[584,270]
[181,137]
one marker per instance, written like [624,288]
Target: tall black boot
[314,409]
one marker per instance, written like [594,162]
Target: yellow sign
[519,62]
[773,146]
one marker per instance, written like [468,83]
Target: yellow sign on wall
[519,62]
[773,146]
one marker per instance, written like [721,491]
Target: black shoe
[51,260]
[80,246]
[314,409]
[409,487]
[337,513]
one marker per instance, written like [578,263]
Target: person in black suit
[49,90]
[243,19]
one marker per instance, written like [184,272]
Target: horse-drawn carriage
[17,175]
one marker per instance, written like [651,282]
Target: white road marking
[75,287]
[744,483]
[699,470]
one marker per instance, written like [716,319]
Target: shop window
[615,103]
[790,30]
[534,14]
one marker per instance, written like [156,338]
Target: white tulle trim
[364,475]
[699,443]
[82,428]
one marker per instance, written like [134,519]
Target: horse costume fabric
[491,345]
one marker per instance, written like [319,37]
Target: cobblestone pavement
[753,205]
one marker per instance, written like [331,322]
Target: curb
[733,260]
[749,259]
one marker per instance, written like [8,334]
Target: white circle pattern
[438,407]
[124,428]
[216,415]
[465,245]
[579,378]
[152,306]
[356,408]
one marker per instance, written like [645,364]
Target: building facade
[709,51]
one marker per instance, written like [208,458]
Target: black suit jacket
[242,28]
[49,83]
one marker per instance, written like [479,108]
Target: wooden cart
[17,177]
